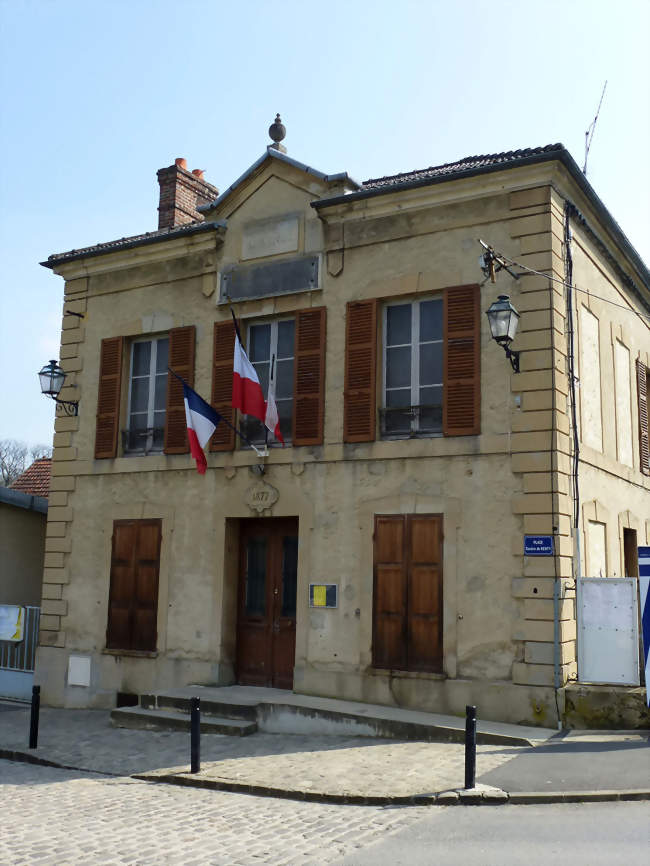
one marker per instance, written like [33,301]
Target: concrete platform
[167,720]
[276,711]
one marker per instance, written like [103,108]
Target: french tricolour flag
[202,421]
[272,419]
[247,394]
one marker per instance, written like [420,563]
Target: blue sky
[96,96]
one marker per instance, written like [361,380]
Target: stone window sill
[407,675]
[138,654]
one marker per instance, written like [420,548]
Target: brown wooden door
[407,599]
[266,622]
[133,596]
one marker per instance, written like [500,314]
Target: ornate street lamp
[503,319]
[52,378]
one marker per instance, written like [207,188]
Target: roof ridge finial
[277,132]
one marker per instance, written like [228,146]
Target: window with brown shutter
[223,438]
[643,386]
[181,360]
[108,397]
[430,367]
[309,377]
[359,395]
[462,362]
[133,594]
[407,596]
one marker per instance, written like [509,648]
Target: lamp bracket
[67,407]
[513,357]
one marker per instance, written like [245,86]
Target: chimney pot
[181,162]
[198,172]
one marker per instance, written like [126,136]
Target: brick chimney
[181,192]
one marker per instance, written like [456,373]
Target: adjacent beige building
[379,556]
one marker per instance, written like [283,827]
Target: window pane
[431,364]
[431,396]
[162,353]
[285,411]
[140,394]
[253,430]
[285,339]
[158,439]
[141,358]
[138,421]
[430,420]
[283,379]
[256,576]
[289,574]
[431,320]
[260,343]
[400,397]
[262,370]
[396,422]
[398,325]
[160,399]
[398,367]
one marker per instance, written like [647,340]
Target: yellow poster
[320,596]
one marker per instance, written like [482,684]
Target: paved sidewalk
[335,768]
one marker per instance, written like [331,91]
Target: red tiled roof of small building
[36,479]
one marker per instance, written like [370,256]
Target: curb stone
[460,796]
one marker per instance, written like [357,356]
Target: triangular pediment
[311,182]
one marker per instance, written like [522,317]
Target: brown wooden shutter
[309,377]
[223,438]
[424,536]
[390,593]
[182,343]
[407,598]
[133,595]
[108,397]
[360,390]
[462,362]
[642,391]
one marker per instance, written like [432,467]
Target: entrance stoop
[242,710]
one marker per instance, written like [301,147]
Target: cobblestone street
[55,817]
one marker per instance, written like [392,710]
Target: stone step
[209,707]
[166,720]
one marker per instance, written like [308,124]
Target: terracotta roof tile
[36,479]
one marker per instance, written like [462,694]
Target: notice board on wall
[608,636]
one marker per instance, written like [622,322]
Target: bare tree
[13,458]
[13,455]
[37,452]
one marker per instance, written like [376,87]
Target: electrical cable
[528,270]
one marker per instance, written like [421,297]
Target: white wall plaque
[270,238]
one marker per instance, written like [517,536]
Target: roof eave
[183,231]
[561,155]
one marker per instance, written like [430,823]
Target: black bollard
[195,735]
[470,747]
[33,720]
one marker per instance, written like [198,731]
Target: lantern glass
[51,378]
[503,319]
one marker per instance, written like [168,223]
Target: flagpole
[225,420]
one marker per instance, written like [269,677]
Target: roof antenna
[589,134]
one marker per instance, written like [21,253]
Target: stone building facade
[379,555]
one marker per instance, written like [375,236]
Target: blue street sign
[644,561]
[538,545]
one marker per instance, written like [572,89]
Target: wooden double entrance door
[266,620]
